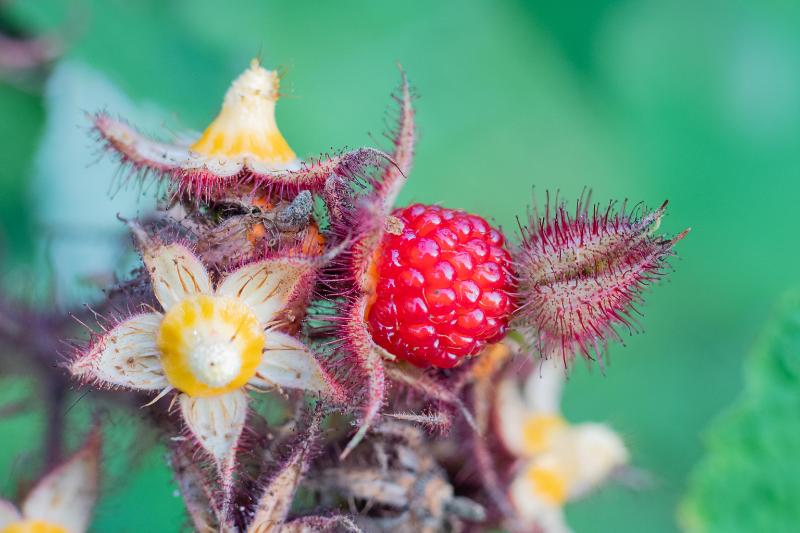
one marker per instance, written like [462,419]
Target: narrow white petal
[217,423]
[126,356]
[288,363]
[8,513]
[266,286]
[511,413]
[175,272]
[545,384]
[66,496]
[592,452]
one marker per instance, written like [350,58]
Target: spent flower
[241,150]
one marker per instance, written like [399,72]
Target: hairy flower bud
[581,276]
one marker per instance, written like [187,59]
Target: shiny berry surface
[443,285]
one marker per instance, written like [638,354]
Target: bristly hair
[360,367]
[580,276]
[360,220]
[441,387]
[432,421]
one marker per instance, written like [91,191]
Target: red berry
[443,287]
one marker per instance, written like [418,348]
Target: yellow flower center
[33,526]
[210,345]
[538,431]
[246,124]
[547,484]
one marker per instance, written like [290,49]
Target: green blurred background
[695,101]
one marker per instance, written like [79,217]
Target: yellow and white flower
[211,343]
[560,461]
[62,501]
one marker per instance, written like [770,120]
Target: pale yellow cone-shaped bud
[246,124]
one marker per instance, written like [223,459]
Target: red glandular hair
[357,224]
[580,276]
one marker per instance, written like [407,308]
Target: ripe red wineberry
[443,287]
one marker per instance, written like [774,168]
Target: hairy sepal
[362,365]
[121,356]
[361,222]
[434,422]
[403,140]
[197,492]
[277,495]
[215,425]
[369,212]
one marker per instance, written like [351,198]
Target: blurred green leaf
[143,46]
[749,479]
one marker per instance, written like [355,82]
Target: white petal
[67,495]
[126,356]
[534,511]
[288,363]
[175,272]
[544,386]
[8,513]
[592,452]
[552,520]
[217,424]
[511,413]
[266,286]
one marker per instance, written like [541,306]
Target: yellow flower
[211,343]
